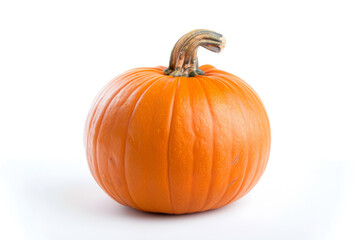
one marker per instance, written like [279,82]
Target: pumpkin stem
[183,59]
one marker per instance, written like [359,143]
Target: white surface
[301,57]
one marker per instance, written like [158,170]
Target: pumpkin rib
[227,91]
[193,146]
[94,109]
[116,193]
[268,144]
[241,108]
[213,145]
[95,147]
[201,154]
[108,171]
[238,155]
[246,169]
[168,147]
[224,83]
[263,163]
[144,80]
[250,179]
[259,171]
[146,152]
[133,81]
[244,172]
[129,80]
[259,163]
[153,189]
[126,134]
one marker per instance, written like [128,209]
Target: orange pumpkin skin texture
[175,145]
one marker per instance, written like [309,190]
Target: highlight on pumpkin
[180,139]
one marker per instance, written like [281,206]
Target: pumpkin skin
[175,145]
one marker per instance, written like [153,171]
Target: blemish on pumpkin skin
[232,182]
[113,161]
[236,159]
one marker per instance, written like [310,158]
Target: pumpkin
[181,139]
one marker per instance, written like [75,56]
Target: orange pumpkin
[178,140]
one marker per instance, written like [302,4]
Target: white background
[302,57]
